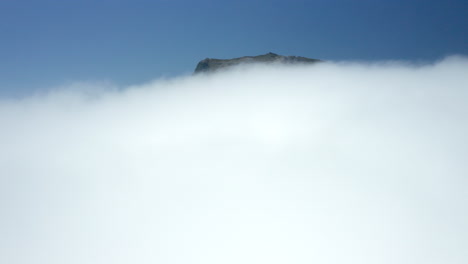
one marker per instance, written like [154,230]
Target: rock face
[212,65]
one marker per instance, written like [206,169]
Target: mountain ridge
[209,65]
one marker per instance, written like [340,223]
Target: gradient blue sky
[48,43]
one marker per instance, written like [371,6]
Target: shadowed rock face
[212,65]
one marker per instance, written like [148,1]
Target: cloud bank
[331,163]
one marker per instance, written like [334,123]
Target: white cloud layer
[332,163]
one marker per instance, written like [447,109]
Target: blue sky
[48,43]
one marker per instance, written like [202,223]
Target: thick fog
[331,163]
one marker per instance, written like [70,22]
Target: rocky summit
[212,65]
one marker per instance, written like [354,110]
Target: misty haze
[336,162]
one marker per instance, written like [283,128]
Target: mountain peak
[212,65]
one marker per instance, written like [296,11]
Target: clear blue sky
[50,42]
